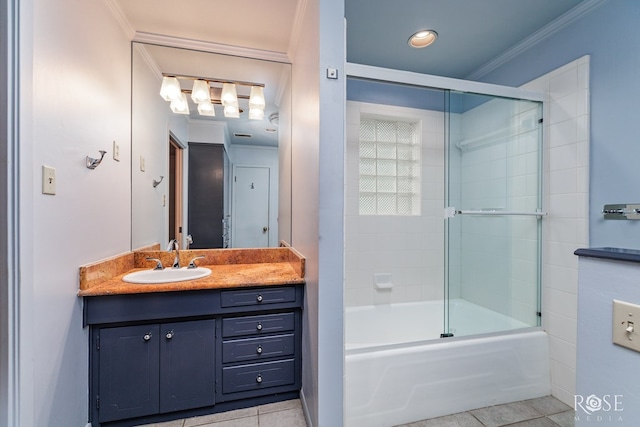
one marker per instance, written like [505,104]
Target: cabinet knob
[259,378]
[259,349]
[147,336]
[259,327]
[169,335]
[259,298]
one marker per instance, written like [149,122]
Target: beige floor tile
[288,418]
[279,406]
[174,423]
[238,422]
[222,416]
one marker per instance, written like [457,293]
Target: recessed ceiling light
[422,38]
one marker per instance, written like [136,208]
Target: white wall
[317,211]
[75,101]
[566,190]
[408,247]
[153,120]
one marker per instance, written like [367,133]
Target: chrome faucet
[173,245]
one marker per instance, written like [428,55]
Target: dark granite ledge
[618,254]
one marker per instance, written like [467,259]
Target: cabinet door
[128,373]
[187,374]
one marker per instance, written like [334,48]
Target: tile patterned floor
[542,412]
[281,414]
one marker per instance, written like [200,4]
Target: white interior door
[250,216]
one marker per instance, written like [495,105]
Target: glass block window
[389,172]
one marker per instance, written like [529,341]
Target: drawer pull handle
[259,298]
[259,327]
[147,336]
[169,335]
[259,378]
[259,349]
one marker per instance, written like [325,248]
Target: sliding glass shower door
[493,214]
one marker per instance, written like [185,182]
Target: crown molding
[204,46]
[120,17]
[296,28]
[545,32]
[148,59]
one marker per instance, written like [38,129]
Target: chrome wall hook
[156,183]
[94,163]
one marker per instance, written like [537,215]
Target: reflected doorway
[250,213]
[175,189]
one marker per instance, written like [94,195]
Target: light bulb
[200,91]
[170,90]
[231,111]
[206,109]
[229,95]
[256,99]
[256,113]
[180,105]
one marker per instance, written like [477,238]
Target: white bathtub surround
[566,198]
[409,247]
[398,370]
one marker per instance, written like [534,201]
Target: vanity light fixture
[231,111]
[206,108]
[180,105]
[200,91]
[422,38]
[256,98]
[229,95]
[207,96]
[256,113]
[170,90]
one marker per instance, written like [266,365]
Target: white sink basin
[167,275]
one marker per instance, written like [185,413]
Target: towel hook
[156,183]
[94,163]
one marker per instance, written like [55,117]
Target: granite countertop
[619,254]
[230,268]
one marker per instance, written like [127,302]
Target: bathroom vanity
[166,351]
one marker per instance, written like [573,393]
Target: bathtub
[398,370]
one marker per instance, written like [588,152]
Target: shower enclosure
[443,234]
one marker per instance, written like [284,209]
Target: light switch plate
[626,324]
[48,180]
[116,151]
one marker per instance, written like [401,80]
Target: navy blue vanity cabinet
[149,369]
[161,356]
[259,351]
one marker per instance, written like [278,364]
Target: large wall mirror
[209,181]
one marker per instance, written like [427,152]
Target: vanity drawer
[258,376]
[257,325]
[257,297]
[247,349]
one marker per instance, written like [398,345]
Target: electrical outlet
[116,151]
[142,167]
[626,324]
[48,180]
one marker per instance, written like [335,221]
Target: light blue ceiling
[470,32]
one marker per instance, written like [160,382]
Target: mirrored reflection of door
[250,213]
[175,190]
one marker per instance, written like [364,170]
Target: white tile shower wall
[407,247]
[566,185]
[499,170]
